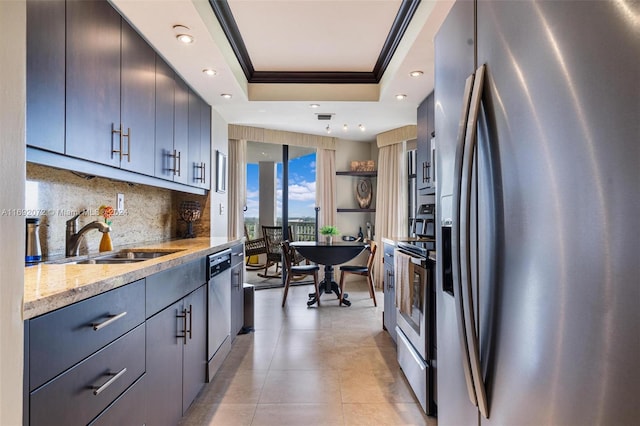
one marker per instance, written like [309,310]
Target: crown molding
[224,15]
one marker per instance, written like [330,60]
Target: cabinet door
[195,349]
[181,128]
[194,163]
[431,119]
[93,81]
[205,143]
[423,155]
[164,366]
[165,163]
[45,74]
[138,93]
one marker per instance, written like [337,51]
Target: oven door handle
[456,240]
[416,260]
[466,246]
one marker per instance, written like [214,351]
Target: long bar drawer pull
[111,320]
[98,389]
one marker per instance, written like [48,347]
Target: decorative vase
[329,239]
[364,193]
[105,242]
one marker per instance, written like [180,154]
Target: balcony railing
[302,230]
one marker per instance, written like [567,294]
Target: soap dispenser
[33,253]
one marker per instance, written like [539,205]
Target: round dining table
[329,254]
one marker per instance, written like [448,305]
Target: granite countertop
[50,286]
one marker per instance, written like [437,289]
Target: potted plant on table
[329,231]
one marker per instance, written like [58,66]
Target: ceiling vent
[324,116]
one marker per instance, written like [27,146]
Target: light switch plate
[120,203]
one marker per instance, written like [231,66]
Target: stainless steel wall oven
[415,329]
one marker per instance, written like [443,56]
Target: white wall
[219,142]
[12,226]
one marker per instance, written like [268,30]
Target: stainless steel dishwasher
[218,310]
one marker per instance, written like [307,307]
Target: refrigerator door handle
[465,241]
[456,241]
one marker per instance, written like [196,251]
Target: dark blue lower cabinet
[176,358]
[79,394]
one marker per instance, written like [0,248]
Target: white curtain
[325,186]
[237,188]
[391,197]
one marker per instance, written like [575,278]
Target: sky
[302,187]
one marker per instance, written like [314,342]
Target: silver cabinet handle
[203,171]
[190,312]
[119,132]
[98,389]
[176,162]
[128,136]
[184,325]
[111,320]
[174,169]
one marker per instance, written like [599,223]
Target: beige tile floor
[326,365]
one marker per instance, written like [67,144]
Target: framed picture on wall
[221,172]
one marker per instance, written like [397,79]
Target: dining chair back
[254,247]
[273,240]
[296,271]
[363,270]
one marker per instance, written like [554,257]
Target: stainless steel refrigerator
[538,192]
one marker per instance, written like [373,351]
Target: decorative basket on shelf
[190,212]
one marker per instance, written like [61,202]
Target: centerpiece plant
[329,231]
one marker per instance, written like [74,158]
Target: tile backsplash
[150,213]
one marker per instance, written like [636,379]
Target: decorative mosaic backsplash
[150,214]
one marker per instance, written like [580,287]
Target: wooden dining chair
[363,270]
[297,271]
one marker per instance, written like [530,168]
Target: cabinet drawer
[167,287]
[128,409]
[62,338]
[81,393]
[237,254]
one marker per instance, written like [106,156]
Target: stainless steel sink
[107,261]
[117,258]
[133,254]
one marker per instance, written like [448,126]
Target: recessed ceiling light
[209,72]
[182,34]
[345,128]
[226,95]
[185,38]
[361,127]
[401,96]
[314,106]
[416,73]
